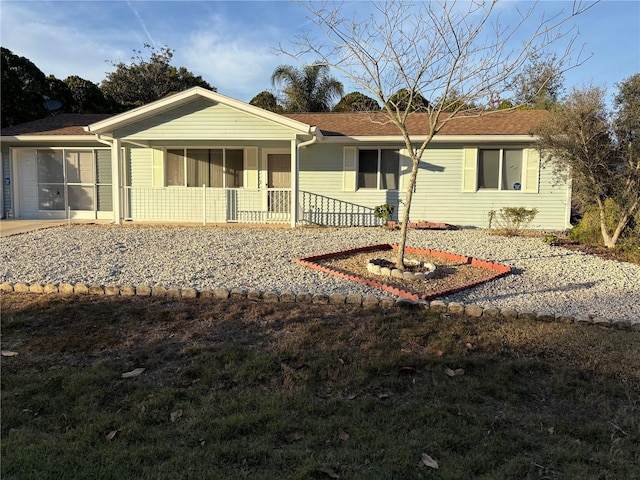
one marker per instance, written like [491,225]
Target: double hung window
[500,169]
[378,168]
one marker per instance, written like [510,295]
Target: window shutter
[469,170]
[158,168]
[350,168]
[405,168]
[251,166]
[531,158]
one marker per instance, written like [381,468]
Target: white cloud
[238,63]
[59,46]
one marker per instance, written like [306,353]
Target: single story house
[198,156]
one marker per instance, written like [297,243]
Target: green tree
[456,102]
[405,100]
[86,97]
[144,80]
[59,90]
[22,86]
[600,156]
[267,101]
[540,84]
[356,102]
[311,89]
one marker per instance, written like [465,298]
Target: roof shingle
[518,122]
[62,124]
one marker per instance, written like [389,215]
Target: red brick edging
[312,262]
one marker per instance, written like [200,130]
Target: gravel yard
[545,278]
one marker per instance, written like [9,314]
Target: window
[378,169]
[79,180]
[210,167]
[500,169]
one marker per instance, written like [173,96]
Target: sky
[232,44]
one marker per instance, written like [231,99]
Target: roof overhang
[181,98]
[436,139]
[48,138]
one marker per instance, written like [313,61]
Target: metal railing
[322,210]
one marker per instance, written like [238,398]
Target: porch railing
[207,205]
[322,210]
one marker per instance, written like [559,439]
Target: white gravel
[549,279]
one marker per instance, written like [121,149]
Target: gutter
[316,133]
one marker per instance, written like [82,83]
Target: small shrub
[550,239]
[383,211]
[512,220]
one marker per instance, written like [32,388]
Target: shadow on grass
[254,390]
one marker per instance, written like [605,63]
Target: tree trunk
[407,207]
[610,241]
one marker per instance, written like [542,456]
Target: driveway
[14,226]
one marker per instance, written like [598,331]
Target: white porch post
[116,179]
[294,183]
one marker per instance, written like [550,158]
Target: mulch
[588,249]
[449,274]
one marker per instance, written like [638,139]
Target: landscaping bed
[453,273]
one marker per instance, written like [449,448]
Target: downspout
[294,179]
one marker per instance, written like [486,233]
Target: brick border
[312,262]
[423,225]
[366,301]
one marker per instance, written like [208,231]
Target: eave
[48,138]
[437,139]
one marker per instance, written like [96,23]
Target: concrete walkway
[16,226]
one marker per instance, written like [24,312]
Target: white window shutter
[405,168]
[350,168]
[251,166]
[531,158]
[470,170]
[157,179]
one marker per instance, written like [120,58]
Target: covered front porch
[198,156]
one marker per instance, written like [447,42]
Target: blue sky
[232,44]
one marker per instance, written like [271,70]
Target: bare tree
[432,49]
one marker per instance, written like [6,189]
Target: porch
[207,205]
[240,205]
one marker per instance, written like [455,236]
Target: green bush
[512,220]
[588,228]
[383,211]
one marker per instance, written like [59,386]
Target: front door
[279,185]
